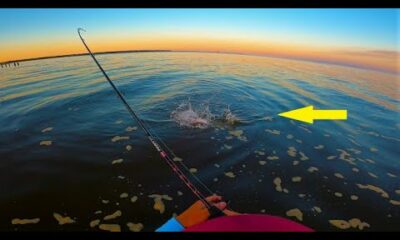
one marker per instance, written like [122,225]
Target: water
[64,132]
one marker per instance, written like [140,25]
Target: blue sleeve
[171,225]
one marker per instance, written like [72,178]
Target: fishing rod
[214,211]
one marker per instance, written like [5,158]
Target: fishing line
[214,211]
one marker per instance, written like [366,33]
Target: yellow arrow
[308,114]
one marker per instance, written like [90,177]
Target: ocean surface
[71,158]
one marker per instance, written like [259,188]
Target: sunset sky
[367,38]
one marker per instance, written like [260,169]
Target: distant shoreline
[79,54]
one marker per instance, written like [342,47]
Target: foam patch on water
[135,227]
[25,221]
[63,219]
[295,213]
[114,215]
[110,227]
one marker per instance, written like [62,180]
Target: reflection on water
[73,159]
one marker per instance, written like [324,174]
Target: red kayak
[249,223]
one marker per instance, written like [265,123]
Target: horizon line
[81,54]
[223,52]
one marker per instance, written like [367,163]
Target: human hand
[198,212]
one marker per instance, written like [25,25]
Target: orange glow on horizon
[382,60]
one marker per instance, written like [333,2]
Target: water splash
[229,117]
[186,116]
[201,116]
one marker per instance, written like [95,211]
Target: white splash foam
[200,116]
[186,116]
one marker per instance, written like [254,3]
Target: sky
[360,37]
